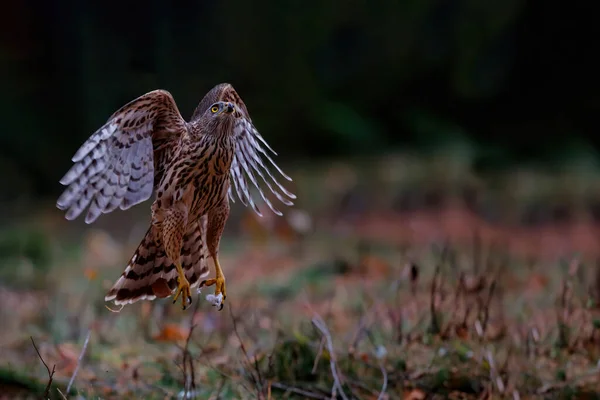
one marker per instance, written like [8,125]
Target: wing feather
[251,155]
[115,167]
[249,161]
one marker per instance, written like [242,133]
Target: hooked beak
[229,108]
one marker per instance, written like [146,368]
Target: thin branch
[189,384]
[85,344]
[50,373]
[337,386]
[301,392]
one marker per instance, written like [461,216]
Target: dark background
[515,79]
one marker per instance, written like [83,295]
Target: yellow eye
[214,109]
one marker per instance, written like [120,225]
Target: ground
[382,284]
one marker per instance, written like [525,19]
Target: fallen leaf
[462,331]
[171,333]
[414,394]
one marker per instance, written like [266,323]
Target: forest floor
[373,288]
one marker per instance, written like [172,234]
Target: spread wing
[251,162]
[119,165]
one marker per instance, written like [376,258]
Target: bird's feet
[183,290]
[218,299]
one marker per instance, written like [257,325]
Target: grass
[372,303]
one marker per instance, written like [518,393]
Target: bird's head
[220,115]
[222,92]
[222,109]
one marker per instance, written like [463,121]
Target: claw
[183,289]
[218,299]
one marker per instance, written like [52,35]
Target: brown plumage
[147,146]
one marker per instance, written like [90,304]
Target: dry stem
[50,374]
[337,385]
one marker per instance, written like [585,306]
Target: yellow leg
[218,281]
[183,288]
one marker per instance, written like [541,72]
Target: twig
[302,392]
[318,357]
[337,386]
[435,326]
[85,344]
[486,307]
[189,384]
[385,381]
[50,374]
[255,380]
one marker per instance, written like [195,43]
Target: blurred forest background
[516,81]
[409,127]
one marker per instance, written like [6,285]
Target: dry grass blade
[85,344]
[337,385]
[385,381]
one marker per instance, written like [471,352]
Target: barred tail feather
[151,274]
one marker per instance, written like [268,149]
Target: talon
[219,283]
[183,290]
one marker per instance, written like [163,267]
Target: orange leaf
[171,333]
[90,273]
[462,331]
[414,394]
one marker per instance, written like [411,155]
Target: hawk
[145,147]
